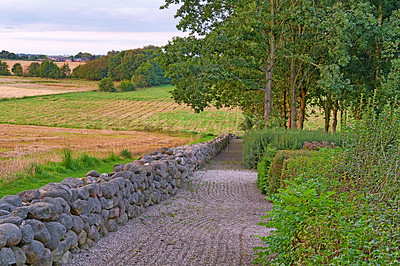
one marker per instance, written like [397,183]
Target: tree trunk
[335,112]
[327,111]
[302,109]
[270,70]
[284,113]
[293,111]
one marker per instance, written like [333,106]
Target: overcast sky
[54,27]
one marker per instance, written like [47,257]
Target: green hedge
[321,219]
[256,143]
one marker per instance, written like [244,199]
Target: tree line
[46,69]
[273,59]
[138,65]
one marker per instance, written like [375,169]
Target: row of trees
[12,56]
[274,58]
[47,69]
[138,65]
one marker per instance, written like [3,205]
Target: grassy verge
[39,175]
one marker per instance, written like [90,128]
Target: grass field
[150,109]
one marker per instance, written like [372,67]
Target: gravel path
[211,222]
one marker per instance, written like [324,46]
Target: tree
[4,69]
[33,69]
[17,69]
[106,85]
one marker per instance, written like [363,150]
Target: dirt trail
[211,222]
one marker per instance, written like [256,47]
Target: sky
[54,27]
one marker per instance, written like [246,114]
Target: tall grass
[256,143]
[39,174]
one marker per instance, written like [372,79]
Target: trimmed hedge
[321,218]
[256,143]
[270,177]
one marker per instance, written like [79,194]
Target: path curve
[211,222]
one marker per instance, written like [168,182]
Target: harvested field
[150,109]
[20,146]
[25,64]
[16,87]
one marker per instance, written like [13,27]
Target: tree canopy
[274,58]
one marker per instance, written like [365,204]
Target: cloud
[122,15]
[72,42]
[96,26]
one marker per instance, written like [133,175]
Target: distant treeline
[138,65]
[46,69]
[33,57]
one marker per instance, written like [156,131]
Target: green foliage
[126,154]
[106,85]
[126,85]
[41,174]
[340,206]
[263,169]
[274,179]
[17,69]
[4,69]
[256,142]
[124,65]
[49,69]
[33,69]
[373,150]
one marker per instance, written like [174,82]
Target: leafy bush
[274,180]
[257,142]
[126,85]
[340,206]
[263,168]
[106,85]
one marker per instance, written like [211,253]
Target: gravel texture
[212,221]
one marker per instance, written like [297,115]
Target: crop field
[14,87]
[150,109]
[25,64]
[22,146]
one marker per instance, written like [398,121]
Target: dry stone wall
[47,225]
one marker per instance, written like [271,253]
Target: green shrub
[275,171]
[106,85]
[126,85]
[257,142]
[263,168]
[321,217]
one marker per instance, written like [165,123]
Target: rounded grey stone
[66,220]
[40,231]
[12,232]
[20,257]
[93,173]
[33,251]
[13,200]
[77,224]
[7,257]
[27,234]
[72,182]
[111,226]
[43,211]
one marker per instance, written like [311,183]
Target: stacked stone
[47,225]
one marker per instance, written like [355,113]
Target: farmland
[150,109]
[25,64]
[35,129]
[11,87]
